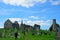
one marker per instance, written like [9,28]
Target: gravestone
[39,33]
[11,34]
[4,33]
[18,35]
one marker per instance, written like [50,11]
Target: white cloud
[15,19]
[18,19]
[55,2]
[1,27]
[39,22]
[24,19]
[24,3]
[30,22]
[29,3]
[34,17]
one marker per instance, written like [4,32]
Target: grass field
[29,36]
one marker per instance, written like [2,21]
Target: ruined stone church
[29,27]
[24,27]
[9,24]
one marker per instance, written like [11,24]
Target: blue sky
[32,12]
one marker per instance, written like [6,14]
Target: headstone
[16,35]
[4,33]
[39,33]
[11,33]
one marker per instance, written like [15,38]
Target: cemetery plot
[29,36]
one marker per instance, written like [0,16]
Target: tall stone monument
[54,24]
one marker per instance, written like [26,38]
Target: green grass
[29,36]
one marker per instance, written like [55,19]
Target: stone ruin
[24,28]
[56,29]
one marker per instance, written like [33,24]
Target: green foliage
[29,35]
